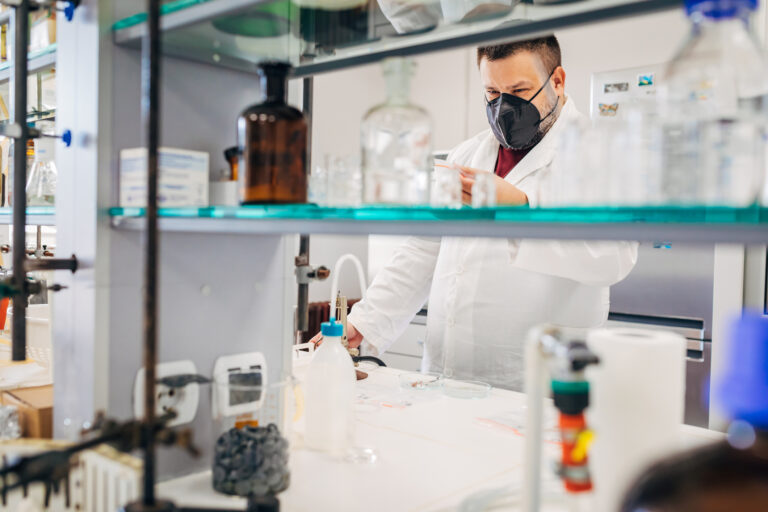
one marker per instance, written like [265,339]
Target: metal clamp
[305,274]
[16,131]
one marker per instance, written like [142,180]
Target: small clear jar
[484,190]
[446,188]
[250,455]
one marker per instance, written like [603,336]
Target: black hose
[371,359]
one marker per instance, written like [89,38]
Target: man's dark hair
[547,48]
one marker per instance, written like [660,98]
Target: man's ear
[558,80]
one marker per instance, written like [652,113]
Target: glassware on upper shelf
[714,102]
[272,143]
[41,182]
[484,190]
[396,139]
[446,187]
[612,162]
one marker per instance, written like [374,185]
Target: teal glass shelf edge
[167,8]
[33,55]
[577,215]
[31,210]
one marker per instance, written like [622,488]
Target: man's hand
[506,193]
[354,338]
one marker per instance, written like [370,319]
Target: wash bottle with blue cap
[330,392]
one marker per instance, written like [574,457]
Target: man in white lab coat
[485,294]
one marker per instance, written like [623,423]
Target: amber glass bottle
[272,142]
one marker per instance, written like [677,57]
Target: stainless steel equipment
[671,288]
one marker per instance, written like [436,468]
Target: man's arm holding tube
[397,293]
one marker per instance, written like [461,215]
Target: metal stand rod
[150,72]
[52,264]
[302,313]
[21,40]
[302,309]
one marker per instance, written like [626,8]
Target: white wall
[341,100]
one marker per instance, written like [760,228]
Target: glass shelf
[668,224]
[36,216]
[239,33]
[38,61]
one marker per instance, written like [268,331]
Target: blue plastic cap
[66,138]
[743,392]
[69,11]
[719,8]
[332,328]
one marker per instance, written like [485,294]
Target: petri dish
[421,381]
[467,389]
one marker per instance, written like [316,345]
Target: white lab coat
[486,293]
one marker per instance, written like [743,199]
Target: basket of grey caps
[251,461]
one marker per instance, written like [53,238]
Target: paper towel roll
[637,404]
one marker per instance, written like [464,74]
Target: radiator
[101,480]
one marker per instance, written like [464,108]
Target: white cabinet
[406,352]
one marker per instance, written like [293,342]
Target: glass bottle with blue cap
[714,108]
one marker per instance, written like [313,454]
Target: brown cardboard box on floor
[35,410]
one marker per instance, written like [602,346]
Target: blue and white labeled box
[183,177]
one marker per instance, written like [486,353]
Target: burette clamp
[16,131]
[305,273]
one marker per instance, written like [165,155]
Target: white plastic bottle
[330,392]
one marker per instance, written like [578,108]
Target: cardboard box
[42,29]
[35,410]
[183,179]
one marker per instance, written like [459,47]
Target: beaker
[252,423]
[446,188]
[484,190]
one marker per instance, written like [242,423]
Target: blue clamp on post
[66,137]
[69,10]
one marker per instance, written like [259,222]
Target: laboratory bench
[433,452]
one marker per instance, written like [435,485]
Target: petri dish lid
[467,389]
[421,381]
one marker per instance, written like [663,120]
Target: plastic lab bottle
[714,100]
[396,139]
[330,390]
[272,144]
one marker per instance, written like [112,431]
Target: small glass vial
[41,183]
[484,190]
[446,188]
[272,144]
[396,142]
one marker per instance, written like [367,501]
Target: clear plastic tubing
[335,274]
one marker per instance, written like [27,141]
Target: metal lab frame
[130,36]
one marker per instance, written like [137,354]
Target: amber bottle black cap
[230,153]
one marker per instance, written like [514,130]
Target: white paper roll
[637,399]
